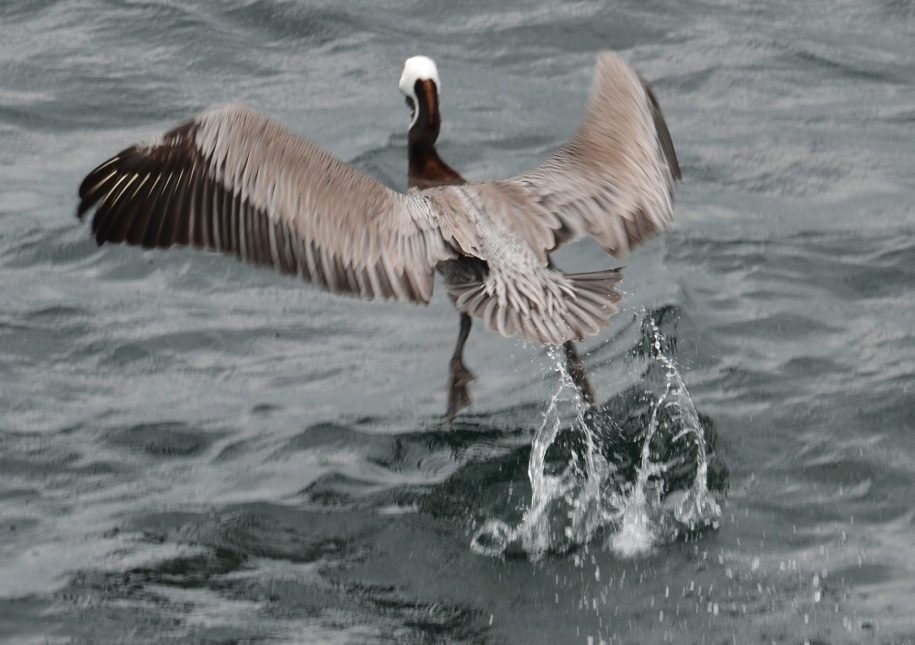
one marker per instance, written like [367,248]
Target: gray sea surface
[193,450]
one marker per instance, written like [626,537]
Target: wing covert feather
[614,179]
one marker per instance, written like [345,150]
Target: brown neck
[426,167]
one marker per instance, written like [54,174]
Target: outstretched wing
[613,180]
[234,181]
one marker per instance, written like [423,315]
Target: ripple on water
[246,567]
[164,440]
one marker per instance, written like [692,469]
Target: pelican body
[419,83]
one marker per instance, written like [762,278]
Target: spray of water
[697,507]
[587,498]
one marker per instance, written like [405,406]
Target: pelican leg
[577,372]
[459,376]
[574,365]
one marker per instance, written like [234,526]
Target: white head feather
[417,68]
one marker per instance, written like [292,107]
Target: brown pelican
[420,84]
[234,181]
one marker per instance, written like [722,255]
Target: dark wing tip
[136,158]
[82,208]
[97,183]
[121,214]
[664,138]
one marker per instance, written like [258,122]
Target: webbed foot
[459,378]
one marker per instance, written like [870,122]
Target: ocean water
[197,451]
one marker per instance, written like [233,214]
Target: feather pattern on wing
[234,181]
[520,294]
[613,180]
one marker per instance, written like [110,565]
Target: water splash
[590,493]
[697,507]
[533,532]
[693,508]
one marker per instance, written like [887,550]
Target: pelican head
[420,84]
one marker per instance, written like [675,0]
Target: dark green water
[192,450]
